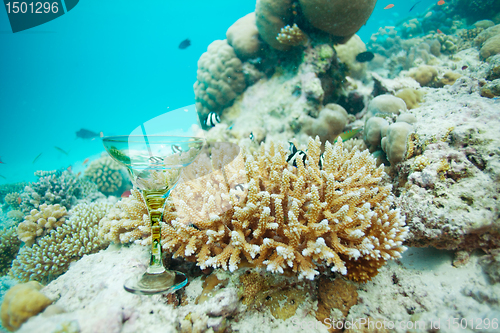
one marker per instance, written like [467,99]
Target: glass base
[151,284]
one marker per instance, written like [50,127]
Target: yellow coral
[40,222]
[287,218]
[291,35]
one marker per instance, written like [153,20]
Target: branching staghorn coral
[52,254]
[288,219]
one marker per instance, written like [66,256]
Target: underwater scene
[250,166]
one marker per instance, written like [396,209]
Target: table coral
[292,219]
[52,254]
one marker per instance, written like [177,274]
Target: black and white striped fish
[212,119]
[295,153]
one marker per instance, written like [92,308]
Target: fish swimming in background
[3,177]
[416,3]
[389,6]
[36,158]
[439,31]
[61,150]
[212,119]
[440,2]
[86,161]
[1,161]
[86,134]
[185,44]
[126,194]
[19,200]
[365,56]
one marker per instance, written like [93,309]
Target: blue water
[108,67]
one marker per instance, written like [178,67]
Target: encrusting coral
[52,254]
[300,219]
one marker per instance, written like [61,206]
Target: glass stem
[155,201]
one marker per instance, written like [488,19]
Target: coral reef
[338,18]
[291,35]
[107,174]
[9,246]
[219,79]
[293,219]
[41,221]
[243,36]
[22,302]
[347,54]
[424,75]
[12,199]
[60,188]
[52,254]
[11,188]
[271,16]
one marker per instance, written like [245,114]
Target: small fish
[61,150]
[70,168]
[416,3]
[3,177]
[440,2]
[36,158]
[389,6]
[176,149]
[1,161]
[464,67]
[185,44]
[349,134]
[365,56]
[212,119]
[294,154]
[439,31]
[78,174]
[86,161]
[321,161]
[19,200]
[251,136]
[126,194]
[101,134]
[86,134]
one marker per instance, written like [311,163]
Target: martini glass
[154,163]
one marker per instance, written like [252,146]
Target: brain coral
[300,219]
[220,79]
[52,254]
[341,18]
